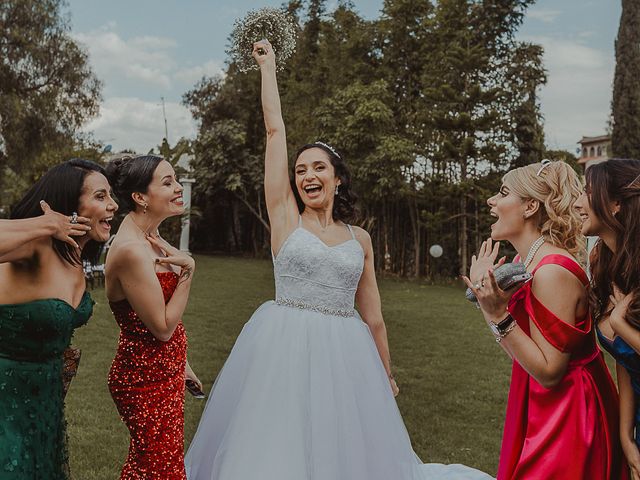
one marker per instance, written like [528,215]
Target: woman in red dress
[562,411]
[147,284]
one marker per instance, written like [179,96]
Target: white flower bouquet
[265,23]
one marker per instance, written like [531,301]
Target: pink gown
[570,431]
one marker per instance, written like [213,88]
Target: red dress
[570,431]
[146,381]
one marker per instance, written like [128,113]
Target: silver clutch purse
[507,276]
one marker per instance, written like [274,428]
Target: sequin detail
[146,381]
[33,336]
[316,308]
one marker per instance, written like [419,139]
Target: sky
[148,50]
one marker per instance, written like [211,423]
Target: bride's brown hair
[616,180]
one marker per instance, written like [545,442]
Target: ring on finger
[74,218]
[476,286]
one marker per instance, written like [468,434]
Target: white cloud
[576,99]
[147,59]
[543,15]
[189,76]
[132,123]
[137,72]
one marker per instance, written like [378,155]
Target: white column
[186,198]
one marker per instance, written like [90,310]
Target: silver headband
[328,147]
[546,162]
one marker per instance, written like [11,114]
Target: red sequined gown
[146,381]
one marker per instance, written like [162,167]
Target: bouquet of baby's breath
[265,23]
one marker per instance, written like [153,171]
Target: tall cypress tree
[626,85]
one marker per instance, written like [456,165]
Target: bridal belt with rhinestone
[316,308]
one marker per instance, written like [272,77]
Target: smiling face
[592,224]
[164,194]
[315,178]
[96,203]
[509,209]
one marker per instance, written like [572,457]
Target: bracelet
[503,328]
[506,332]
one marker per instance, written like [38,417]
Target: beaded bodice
[33,337]
[141,356]
[40,330]
[312,274]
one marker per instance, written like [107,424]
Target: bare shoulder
[550,279]
[129,252]
[362,236]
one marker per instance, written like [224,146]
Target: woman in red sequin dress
[147,284]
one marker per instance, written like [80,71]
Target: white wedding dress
[303,394]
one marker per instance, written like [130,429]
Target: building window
[600,150]
[592,152]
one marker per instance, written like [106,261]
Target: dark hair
[344,205]
[130,174]
[61,187]
[606,182]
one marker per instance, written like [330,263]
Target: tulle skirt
[304,396]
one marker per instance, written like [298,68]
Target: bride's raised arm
[281,203]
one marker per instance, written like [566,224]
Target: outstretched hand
[264,54]
[65,227]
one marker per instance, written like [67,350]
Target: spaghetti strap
[351,231]
[299,220]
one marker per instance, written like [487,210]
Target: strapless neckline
[85,295]
[116,302]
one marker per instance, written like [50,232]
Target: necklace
[145,232]
[533,250]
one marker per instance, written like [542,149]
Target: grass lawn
[453,377]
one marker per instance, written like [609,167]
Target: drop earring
[337,189]
[145,208]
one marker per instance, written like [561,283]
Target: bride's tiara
[328,147]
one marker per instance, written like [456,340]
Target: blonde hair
[557,187]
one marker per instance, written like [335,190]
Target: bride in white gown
[307,391]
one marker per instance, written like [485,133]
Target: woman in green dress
[62,220]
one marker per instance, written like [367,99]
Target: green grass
[453,377]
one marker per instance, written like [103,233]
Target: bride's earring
[145,208]
[337,189]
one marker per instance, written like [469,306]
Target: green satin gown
[33,337]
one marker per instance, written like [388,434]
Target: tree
[47,89]
[430,105]
[625,138]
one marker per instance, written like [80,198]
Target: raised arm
[281,204]
[370,307]
[17,237]
[137,276]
